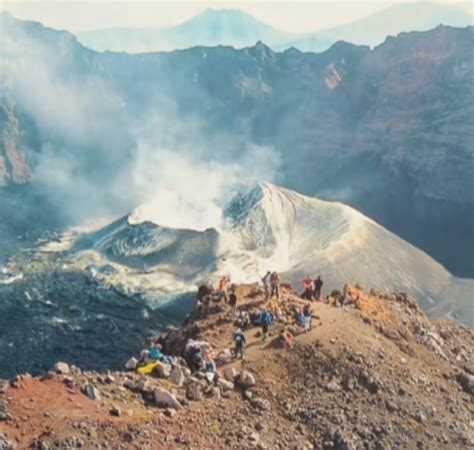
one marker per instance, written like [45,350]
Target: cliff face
[14,166]
[387,131]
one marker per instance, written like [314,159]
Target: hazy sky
[290,16]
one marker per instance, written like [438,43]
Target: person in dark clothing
[275,285]
[233,303]
[240,341]
[318,284]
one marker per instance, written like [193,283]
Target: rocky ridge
[377,375]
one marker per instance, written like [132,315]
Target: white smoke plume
[92,158]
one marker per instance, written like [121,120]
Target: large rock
[177,376]
[224,384]
[62,368]
[246,379]
[166,399]
[261,404]
[230,374]
[162,370]
[225,356]
[194,391]
[131,364]
[6,442]
[92,392]
[467,382]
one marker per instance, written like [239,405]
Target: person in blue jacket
[157,355]
[265,321]
[240,341]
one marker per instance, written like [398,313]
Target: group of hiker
[208,296]
[312,288]
[271,285]
[293,314]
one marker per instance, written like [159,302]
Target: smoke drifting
[92,157]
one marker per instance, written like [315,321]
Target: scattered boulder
[333,386]
[226,385]
[92,392]
[230,374]
[246,379]
[6,442]
[166,399]
[466,381]
[177,376]
[194,391]
[261,404]
[62,368]
[3,388]
[131,364]
[225,356]
[5,417]
[162,370]
[116,412]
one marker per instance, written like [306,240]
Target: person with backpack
[275,284]
[265,322]
[240,341]
[233,303]
[318,284]
[266,285]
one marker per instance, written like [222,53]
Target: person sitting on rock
[157,355]
[287,337]
[307,317]
[239,341]
[265,322]
[243,320]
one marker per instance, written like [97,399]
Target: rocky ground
[378,375]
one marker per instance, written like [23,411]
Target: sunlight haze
[294,17]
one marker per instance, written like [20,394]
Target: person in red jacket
[308,288]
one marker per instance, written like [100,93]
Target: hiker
[157,355]
[308,288]
[265,322]
[240,341]
[243,320]
[197,360]
[275,283]
[203,292]
[299,317]
[233,302]
[307,317]
[223,282]
[266,284]
[345,298]
[318,284]
[287,337]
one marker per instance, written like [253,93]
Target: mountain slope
[238,29]
[210,28]
[374,29]
[271,228]
[345,125]
[383,374]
